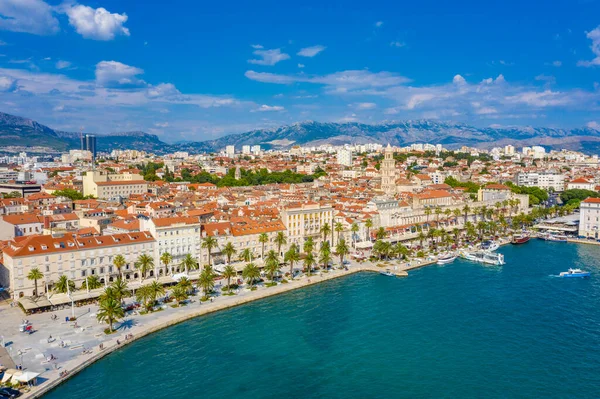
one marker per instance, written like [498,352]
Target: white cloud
[300,65]
[397,43]
[378,24]
[28,16]
[593,125]
[546,98]
[547,79]
[7,83]
[343,81]
[60,64]
[269,108]
[486,111]
[311,51]
[116,74]
[365,105]
[556,63]
[594,36]
[58,108]
[256,46]
[162,90]
[268,57]
[418,99]
[162,124]
[96,24]
[458,80]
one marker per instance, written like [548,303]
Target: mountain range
[18,132]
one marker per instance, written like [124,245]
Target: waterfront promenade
[85,338]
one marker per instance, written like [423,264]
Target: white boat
[387,273]
[489,258]
[490,246]
[575,273]
[553,237]
[446,258]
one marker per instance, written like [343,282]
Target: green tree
[109,312]
[354,229]
[251,273]
[35,274]
[292,256]
[208,243]
[92,282]
[246,255]
[280,240]
[186,284]
[325,230]
[119,262]
[309,245]
[179,293]
[207,280]
[229,272]
[309,262]
[263,238]
[228,250]
[380,234]
[144,263]
[369,225]
[188,263]
[341,249]
[272,264]
[325,254]
[339,229]
[166,258]
[63,285]
[119,287]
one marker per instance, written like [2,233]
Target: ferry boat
[445,259]
[387,273]
[490,246]
[489,258]
[520,238]
[575,273]
[553,237]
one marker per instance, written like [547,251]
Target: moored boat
[575,273]
[520,238]
[445,259]
[489,258]
[387,273]
[553,237]
[489,246]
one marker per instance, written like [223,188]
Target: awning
[26,376]
[8,375]
[363,244]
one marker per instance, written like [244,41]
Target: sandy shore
[142,325]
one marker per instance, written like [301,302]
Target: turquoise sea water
[456,331]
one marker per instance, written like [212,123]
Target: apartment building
[545,180]
[106,186]
[72,256]
[589,218]
[305,220]
[20,225]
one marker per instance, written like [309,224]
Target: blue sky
[194,70]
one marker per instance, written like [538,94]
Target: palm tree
[325,230]
[481,226]
[143,264]
[166,259]
[325,254]
[368,225]
[292,255]
[272,264]
[119,262]
[400,250]
[35,274]
[380,234]
[119,287]
[144,295]
[207,280]
[246,255]
[179,293]
[185,283]
[438,212]
[108,293]
[456,212]
[309,245]
[188,263]
[341,249]
[92,282]
[251,273]
[209,242]
[280,240]
[421,238]
[110,310]
[354,229]
[229,250]
[466,210]
[263,238]
[309,262]
[64,285]
[339,229]
[155,290]
[427,213]
[229,272]
[447,213]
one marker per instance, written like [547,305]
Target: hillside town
[71,217]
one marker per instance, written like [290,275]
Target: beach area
[59,349]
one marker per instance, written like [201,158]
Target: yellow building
[305,220]
[104,186]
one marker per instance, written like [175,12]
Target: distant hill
[18,131]
[23,132]
[450,134]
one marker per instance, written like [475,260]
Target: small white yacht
[489,258]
